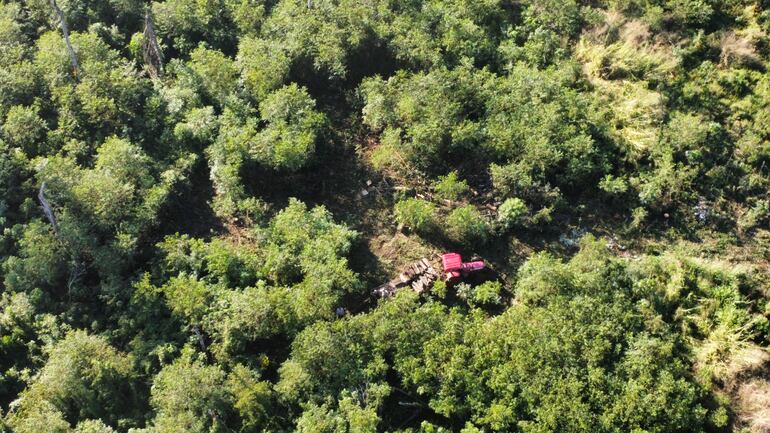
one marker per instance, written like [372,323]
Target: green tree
[511,212]
[24,128]
[190,397]
[185,23]
[93,426]
[264,66]
[576,333]
[217,72]
[83,378]
[293,125]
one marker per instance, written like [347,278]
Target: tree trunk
[47,209]
[153,57]
[66,32]
[198,334]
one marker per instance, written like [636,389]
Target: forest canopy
[199,197]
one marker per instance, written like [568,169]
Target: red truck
[454,268]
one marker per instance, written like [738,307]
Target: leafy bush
[451,187]
[188,380]
[419,215]
[614,186]
[216,72]
[487,293]
[511,212]
[264,66]
[466,225]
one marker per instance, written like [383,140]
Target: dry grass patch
[622,48]
[618,58]
[752,406]
[738,50]
[395,251]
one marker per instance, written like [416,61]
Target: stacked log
[427,277]
[420,275]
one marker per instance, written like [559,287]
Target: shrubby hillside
[197,198]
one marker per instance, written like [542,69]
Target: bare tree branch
[47,209]
[153,56]
[198,334]
[77,270]
[66,32]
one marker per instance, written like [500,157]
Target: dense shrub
[511,212]
[451,187]
[417,214]
[466,225]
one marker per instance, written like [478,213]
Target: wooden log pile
[420,275]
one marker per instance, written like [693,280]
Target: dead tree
[153,57]
[48,210]
[198,334]
[66,32]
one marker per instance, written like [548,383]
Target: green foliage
[512,212]
[308,241]
[23,333]
[531,138]
[467,225]
[350,417]
[183,23]
[217,73]
[332,359]
[40,262]
[104,212]
[183,290]
[83,378]
[18,80]
[248,15]
[288,142]
[264,66]
[189,396]
[450,187]
[344,27]
[106,94]
[487,293]
[543,344]
[198,125]
[252,399]
[430,109]
[615,186]
[544,136]
[447,32]
[225,159]
[187,297]
[417,214]
[93,426]
[24,128]
[297,274]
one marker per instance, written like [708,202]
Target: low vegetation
[197,198]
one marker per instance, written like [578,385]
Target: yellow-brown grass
[737,50]
[622,48]
[753,406]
